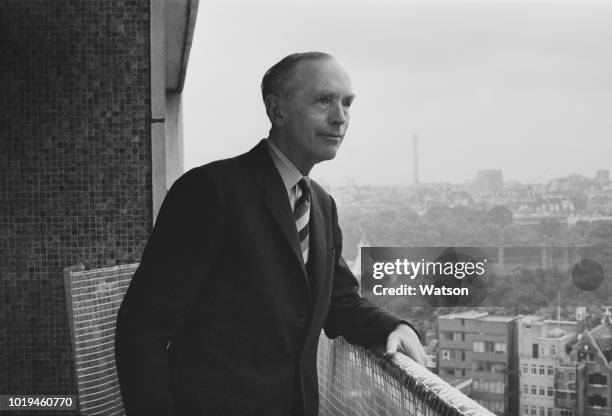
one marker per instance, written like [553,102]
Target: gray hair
[276,78]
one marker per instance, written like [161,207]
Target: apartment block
[477,353]
[543,356]
[591,361]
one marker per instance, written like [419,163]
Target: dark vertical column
[75,168]
[513,387]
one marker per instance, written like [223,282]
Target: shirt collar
[288,172]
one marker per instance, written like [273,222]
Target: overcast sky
[521,86]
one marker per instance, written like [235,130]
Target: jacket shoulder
[217,171]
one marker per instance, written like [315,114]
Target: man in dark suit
[244,268]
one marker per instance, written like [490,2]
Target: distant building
[602,176]
[489,181]
[571,183]
[431,351]
[599,203]
[591,364]
[542,355]
[477,353]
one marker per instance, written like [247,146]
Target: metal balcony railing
[353,381]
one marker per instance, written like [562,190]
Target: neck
[283,144]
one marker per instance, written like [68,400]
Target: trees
[499,215]
[526,287]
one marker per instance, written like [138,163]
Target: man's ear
[274,109]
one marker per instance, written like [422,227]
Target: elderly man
[244,268]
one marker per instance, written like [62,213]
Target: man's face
[316,112]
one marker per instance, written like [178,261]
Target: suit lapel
[277,201]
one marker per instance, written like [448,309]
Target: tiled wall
[75,168]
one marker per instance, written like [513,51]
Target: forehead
[321,76]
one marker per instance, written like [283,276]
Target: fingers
[392,344]
[420,356]
[411,348]
[414,351]
[418,353]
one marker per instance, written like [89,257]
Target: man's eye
[347,103]
[325,100]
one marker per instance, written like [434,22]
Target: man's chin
[329,153]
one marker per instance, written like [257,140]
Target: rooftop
[493,318]
[472,314]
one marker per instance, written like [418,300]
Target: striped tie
[301,213]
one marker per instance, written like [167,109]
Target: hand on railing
[404,339]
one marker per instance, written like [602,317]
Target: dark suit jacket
[222,317]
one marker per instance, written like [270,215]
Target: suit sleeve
[350,315]
[185,238]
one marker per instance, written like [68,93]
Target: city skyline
[473,180]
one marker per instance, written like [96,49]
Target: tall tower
[415,159]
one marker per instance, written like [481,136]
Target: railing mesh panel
[355,381]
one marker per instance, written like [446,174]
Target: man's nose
[338,115]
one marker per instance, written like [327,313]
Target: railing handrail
[434,395]
[430,385]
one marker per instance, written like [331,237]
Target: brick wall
[75,168]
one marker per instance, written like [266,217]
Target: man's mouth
[336,137]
